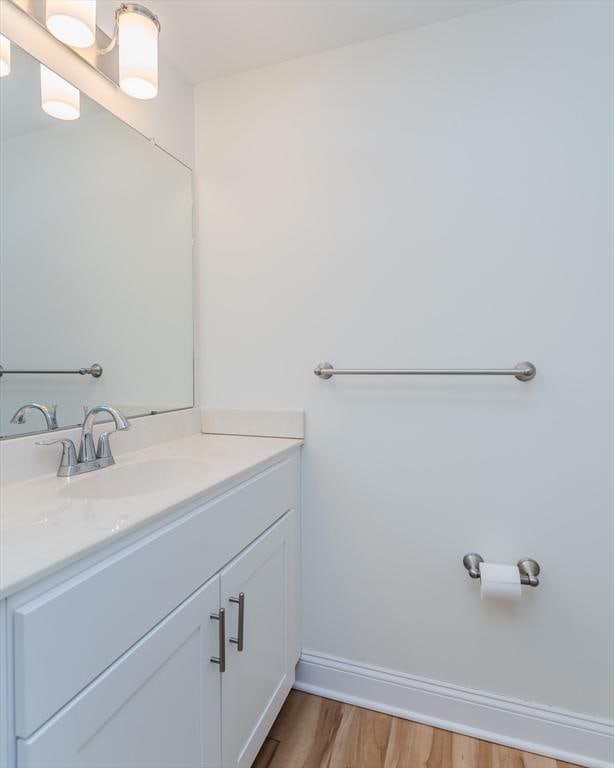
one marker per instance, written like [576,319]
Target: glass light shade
[138,54]
[5,56]
[72,21]
[59,98]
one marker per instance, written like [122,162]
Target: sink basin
[137,479]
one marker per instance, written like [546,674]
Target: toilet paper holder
[529,569]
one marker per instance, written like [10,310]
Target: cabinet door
[258,677]
[158,705]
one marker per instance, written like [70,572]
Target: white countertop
[42,530]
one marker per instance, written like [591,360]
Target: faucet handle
[103,450]
[69,453]
[53,413]
[104,447]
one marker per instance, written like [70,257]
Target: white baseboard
[561,735]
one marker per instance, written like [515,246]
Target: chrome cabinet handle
[221,659]
[240,601]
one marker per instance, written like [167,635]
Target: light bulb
[59,98]
[137,40]
[72,21]
[5,56]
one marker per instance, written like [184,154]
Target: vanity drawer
[69,635]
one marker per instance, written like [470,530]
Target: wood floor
[311,732]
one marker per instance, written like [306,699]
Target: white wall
[168,118]
[440,197]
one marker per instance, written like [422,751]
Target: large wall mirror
[95,263]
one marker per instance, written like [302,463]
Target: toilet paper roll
[499,582]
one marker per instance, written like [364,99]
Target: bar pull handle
[221,659]
[240,601]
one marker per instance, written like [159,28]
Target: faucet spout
[87,451]
[49,412]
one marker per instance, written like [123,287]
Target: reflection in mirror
[95,264]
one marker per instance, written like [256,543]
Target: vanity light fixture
[72,21]
[137,39]
[134,42]
[135,35]
[59,98]
[5,56]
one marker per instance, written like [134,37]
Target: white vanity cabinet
[118,665]
[258,671]
[157,706]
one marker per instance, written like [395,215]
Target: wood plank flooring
[311,732]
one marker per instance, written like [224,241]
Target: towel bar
[522,371]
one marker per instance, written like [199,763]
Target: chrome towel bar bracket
[529,569]
[522,371]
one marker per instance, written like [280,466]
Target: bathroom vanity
[149,613]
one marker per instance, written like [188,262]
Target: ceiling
[206,39]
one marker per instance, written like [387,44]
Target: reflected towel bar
[522,371]
[94,370]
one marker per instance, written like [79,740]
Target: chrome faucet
[86,449]
[89,458]
[48,411]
